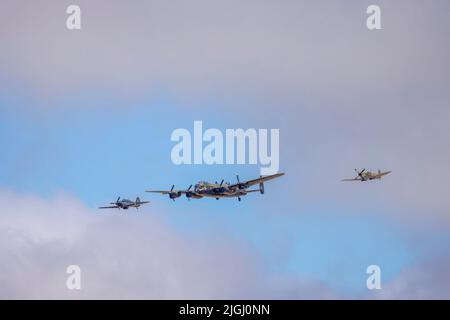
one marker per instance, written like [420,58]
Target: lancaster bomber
[125,204]
[216,190]
[364,175]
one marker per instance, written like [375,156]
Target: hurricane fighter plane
[125,204]
[216,190]
[364,175]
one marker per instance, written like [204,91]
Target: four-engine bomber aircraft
[364,175]
[216,190]
[125,204]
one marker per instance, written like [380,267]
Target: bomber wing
[253,182]
[159,191]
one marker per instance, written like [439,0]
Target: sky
[87,115]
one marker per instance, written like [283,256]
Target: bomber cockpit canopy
[202,185]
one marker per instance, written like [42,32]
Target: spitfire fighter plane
[364,175]
[125,204]
[216,190]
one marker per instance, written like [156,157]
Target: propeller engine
[239,184]
[174,194]
[117,201]
[220,188]
[189,194]
[360,173]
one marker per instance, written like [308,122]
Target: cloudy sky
[86,116]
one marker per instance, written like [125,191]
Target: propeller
[171,194]
[360,172]
[174,194]
[116,201]
[188,194]
[239,184]
[219,188]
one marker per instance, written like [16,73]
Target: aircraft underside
[224,195]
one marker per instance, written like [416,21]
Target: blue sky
[106,151]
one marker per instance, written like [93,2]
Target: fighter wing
[379,175]
[253,182]
[354,179]
[109,207]
[167,191]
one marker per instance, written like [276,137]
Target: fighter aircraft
[216,190]
[125,204]
[364,175]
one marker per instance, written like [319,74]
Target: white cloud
[134,254]
[291,51]
[427,280]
